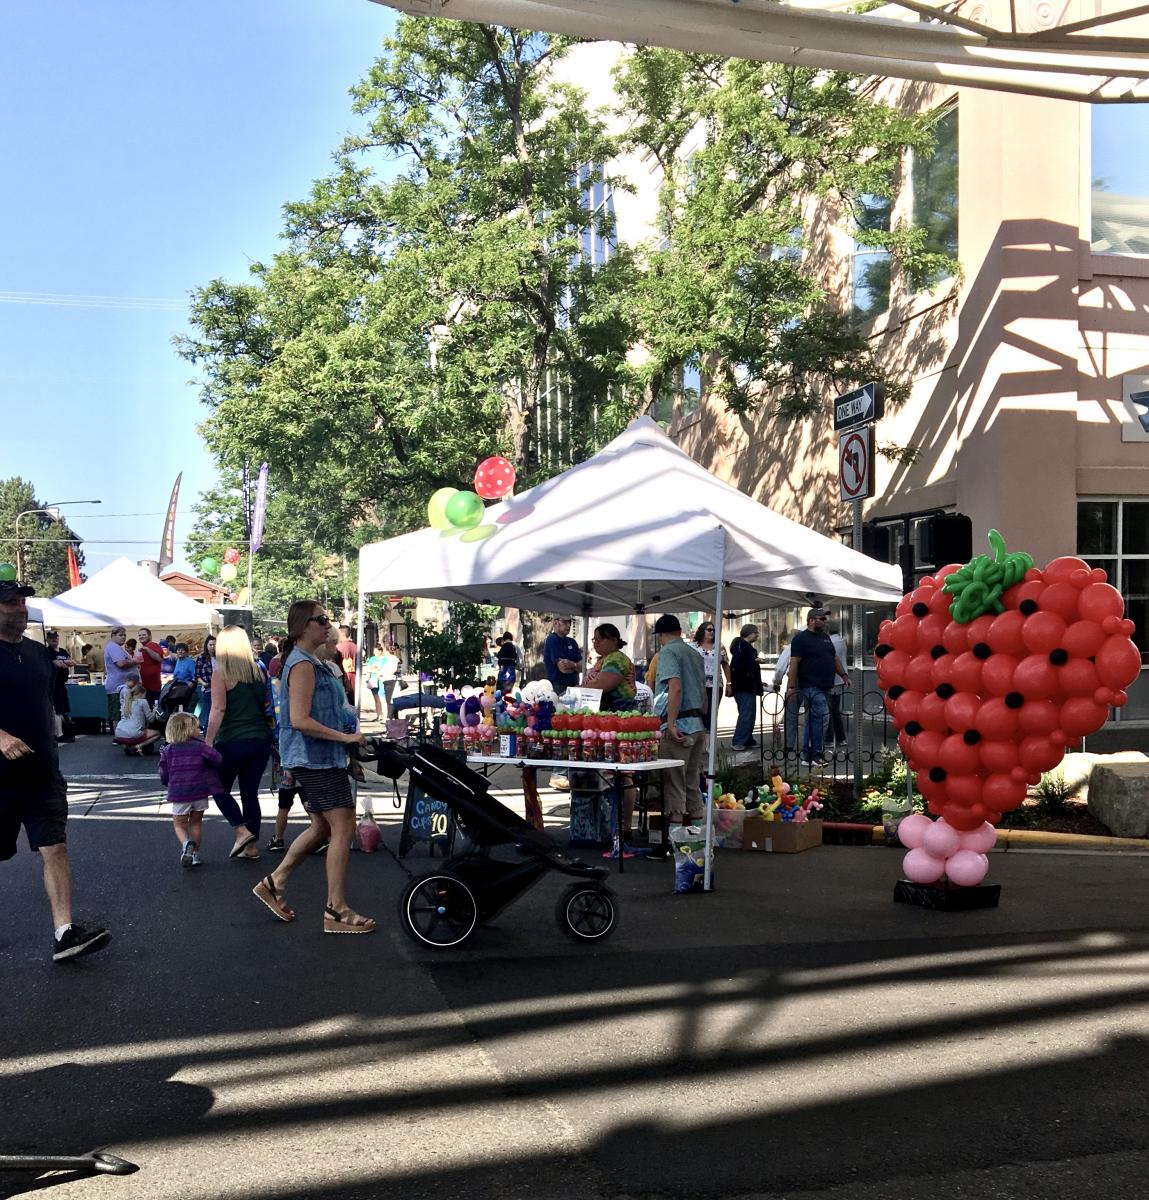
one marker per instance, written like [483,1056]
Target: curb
[1008,839]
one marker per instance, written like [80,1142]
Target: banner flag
[168,541]
[260,510]
[74,579]
[246,489]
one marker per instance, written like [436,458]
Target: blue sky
[148,147]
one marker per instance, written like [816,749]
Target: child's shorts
[183,807]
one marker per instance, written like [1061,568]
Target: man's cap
[817,611]
[668,623]
[10,589]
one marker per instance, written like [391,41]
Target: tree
[44,542]
[420,318]
[450,655]
[745,148]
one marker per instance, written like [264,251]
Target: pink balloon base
[946,898]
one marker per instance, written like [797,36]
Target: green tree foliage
[451,655]
[44,541]
[734,287]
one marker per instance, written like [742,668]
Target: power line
[67,300]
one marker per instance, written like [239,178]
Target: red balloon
[946,571]
[920,673]
[998,757]
[958,758]
[940,603]
[1118,661]
[494,478]
[978,630]
[996,720]
[892,669]
[926,746]
[1004,634]
[1029,590]
[903,634]
[934,793]
[963,819]
[1035,677]
[930,633]
[966,673]
[964,789]
[1061,569]
[961,711]
[1002,793]
[1038,718]
[997,675]
[1100,600]
[932,713]
[1043,632]
[1081,716]
[955,637]
[1083,639]
[1060,599]
[906,707]
[1078,678]
[942,671]
[1040,754]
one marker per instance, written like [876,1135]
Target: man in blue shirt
[814,669]
[562,659]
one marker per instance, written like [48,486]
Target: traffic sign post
[854,417]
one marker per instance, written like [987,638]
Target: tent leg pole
[360,617]
[712,748]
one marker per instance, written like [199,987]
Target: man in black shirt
[33,793]
[814,668]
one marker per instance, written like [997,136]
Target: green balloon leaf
[977,587]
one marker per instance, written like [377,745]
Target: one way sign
[862,406]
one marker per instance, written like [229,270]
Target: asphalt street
[793,1034]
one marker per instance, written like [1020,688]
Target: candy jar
[609,746]
[574,745]
[589,745]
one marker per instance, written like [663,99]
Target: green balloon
[7,573]
[208,565]
[437,508]
[465,510]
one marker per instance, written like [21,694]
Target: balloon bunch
[983,705]
[227,570]
[936,848]
[452,508]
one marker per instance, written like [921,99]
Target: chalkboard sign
[426,820]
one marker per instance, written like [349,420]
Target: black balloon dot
[895,691]
[1059,657]
[945,690]
[982,650]
[920,609]
[1014,700]
[971,737]
[882,650]
[913,728]
[937,774]
[1027,608]
[937,651]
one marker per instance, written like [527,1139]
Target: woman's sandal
[266,892]
[346,921]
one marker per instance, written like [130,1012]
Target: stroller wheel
[438,911]
[587,912]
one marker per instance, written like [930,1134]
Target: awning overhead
[908,39]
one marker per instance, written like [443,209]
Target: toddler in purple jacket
[189,767]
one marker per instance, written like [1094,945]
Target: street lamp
[49,510]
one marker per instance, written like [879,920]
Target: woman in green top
[240,728]
[613,672]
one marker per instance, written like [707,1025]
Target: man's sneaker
[187,854]
[76,941]
[275,845]
[560,783]
[195,859]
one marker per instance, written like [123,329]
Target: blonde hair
[128,695]
[181,727]
[234,658]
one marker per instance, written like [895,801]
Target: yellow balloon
[228,572]
[437,508]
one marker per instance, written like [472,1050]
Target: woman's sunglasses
[319,620]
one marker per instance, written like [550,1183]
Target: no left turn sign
[856,463]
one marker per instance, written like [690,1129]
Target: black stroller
[444,907]
[175,696]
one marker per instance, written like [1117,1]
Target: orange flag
[74,579]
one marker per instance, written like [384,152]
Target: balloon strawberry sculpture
[989,670]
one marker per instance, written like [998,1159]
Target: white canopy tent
[123,593]
[640,526]
[930,40]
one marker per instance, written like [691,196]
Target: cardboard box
[780,837]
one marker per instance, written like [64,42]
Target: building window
[870,267]
[598,241]
[1119,181]
[1114,534]
[934,181]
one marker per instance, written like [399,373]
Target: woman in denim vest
[313,741]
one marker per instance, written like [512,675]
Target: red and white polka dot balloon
[494,478]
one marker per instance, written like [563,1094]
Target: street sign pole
[859,672]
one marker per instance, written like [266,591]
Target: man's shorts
[41,806]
